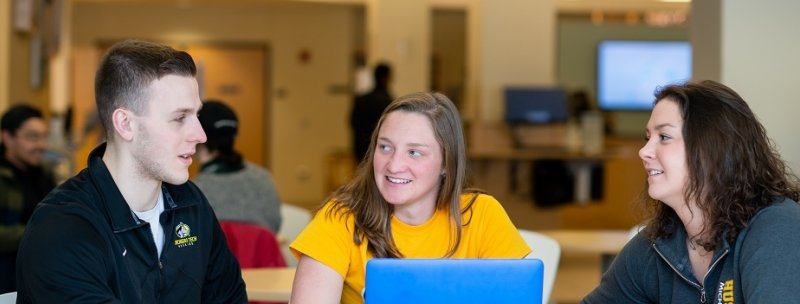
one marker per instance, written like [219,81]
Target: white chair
[294,220]
[635,230]
[548,250]
[8,298]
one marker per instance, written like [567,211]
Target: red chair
[253,246]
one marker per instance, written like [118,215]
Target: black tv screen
[530,105]
[629,72]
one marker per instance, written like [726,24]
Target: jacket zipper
[167,239]
[702,290]
[703,295]
[158,260]
[722,255]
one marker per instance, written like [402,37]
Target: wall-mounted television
[532,105]
[629,72]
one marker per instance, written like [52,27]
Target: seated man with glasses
[23,181]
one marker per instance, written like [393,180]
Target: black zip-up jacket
[85,245]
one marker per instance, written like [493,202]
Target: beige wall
[398,31]
[511,43]
[301,138]
[16,74]
[759,61]
[449,44]
[59,67]
[15,65]
[308,104]
[5,33]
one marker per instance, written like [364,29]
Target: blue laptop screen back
[460,281]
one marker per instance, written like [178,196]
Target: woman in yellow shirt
[407,200]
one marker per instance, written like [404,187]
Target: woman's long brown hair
[734,168]
[361,197]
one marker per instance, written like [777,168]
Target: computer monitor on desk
[536,116]
[531,105]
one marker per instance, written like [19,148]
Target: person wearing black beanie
[238,190]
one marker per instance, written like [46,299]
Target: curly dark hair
[734,168]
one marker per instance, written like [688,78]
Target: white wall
[759,54]
[308,118]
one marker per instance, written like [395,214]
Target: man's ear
[5,136]
[122,121]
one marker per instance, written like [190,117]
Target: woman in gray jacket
[724,222]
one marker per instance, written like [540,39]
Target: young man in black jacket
[129,228]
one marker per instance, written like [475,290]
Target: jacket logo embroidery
[184,234]
[725,292]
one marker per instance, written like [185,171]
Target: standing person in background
[23,181]
[130,228]
[363,81]
[237,189]
[367,110]
[407,200]
[724,223]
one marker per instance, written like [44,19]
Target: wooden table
[269,284]
[275,284]
[590,241]
[606,243]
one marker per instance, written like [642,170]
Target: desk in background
[600,199]
[269,284]
[603,242]
[606,243]
[548,176]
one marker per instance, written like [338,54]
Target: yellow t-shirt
[489,234]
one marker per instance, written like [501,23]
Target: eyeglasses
[33,136]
